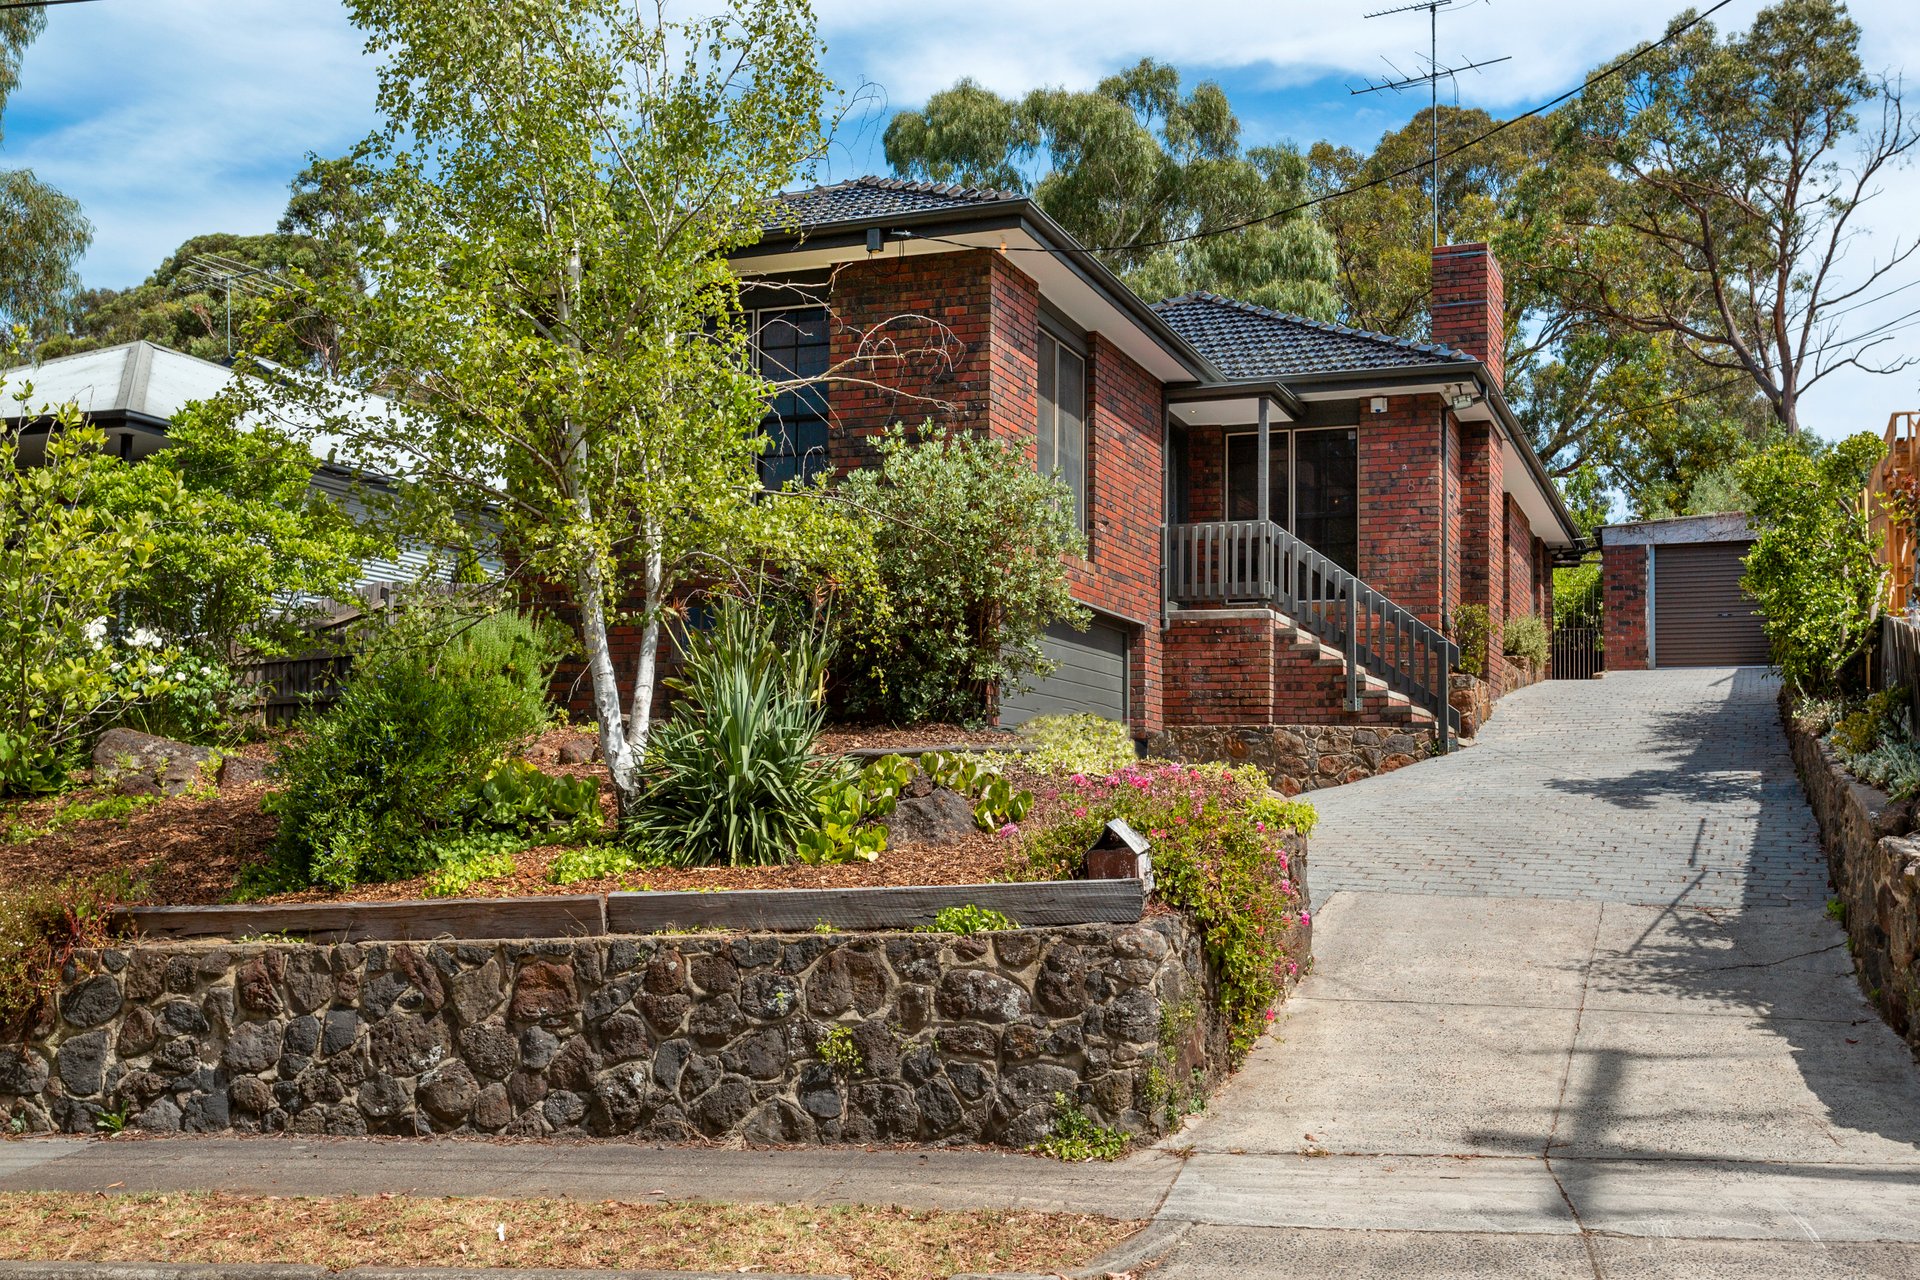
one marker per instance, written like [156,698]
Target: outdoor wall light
[1378,404]
[876,240]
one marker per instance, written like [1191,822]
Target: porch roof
[1249,341]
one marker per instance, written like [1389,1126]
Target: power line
[37,4]
[1382,180]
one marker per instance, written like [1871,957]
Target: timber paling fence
[293,684]
[1899,660]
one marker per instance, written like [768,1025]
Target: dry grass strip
[340,1232]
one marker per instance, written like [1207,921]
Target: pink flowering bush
[1219,855]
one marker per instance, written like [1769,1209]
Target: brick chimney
[1469,305]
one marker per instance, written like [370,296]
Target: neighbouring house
[1281,514]
[1672,594]
[132,392]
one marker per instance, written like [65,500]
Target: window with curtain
[1063,418]
[790,343]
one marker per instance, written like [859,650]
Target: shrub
[516,798]
[1815,569]
[730,778]
[845,822]
[968,538]
[466,861]
[1526,637]
[590,862]
[40,928]
[1075,744]
[1874,741]
[1577,597]
[1218,855]
[1471,630]
[967,920]
[434,703]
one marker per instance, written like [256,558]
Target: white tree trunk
[615,746]
[640,719]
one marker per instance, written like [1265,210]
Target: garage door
[1089,674]
[1700,616]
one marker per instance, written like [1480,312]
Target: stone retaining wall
[1298,757]
[1875,869]
[806,1038]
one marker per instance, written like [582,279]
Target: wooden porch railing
[1255,561]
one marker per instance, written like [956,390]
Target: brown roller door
[1701,618]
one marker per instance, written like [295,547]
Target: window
[1313,488]
[1063,419]
[793,343]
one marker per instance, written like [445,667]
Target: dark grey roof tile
[859,199]
[1247,341]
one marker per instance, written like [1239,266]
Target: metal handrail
[1223,561]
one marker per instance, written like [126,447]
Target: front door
[1314,489]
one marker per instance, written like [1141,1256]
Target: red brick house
[1312,590]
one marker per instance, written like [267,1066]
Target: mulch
[192,850]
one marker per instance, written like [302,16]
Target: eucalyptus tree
[1142,173]
[1709,197]
[544,295]
[42,232]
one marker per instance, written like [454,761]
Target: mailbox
[1120,854]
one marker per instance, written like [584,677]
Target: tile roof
[858,199]
[1247,341]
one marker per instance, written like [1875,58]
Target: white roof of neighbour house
[143,380]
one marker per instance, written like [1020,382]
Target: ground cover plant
[1526,637]
[869,1243]
[1872,738]
[40,927]
[1219,854]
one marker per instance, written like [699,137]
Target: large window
[1063,418]
[793,343]
[1313,488]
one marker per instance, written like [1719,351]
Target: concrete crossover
[1575,1001]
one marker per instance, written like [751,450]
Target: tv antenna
[228,274]
[1435,73]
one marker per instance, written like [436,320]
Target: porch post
[1261,485]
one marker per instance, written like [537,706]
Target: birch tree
[547,297]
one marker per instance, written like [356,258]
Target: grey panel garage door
[1701,618]
[1089,674]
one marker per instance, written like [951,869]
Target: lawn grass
[340,1232]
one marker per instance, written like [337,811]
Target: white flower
[145,639]
[155,669]
[95,631]
[114,667]
[205,670]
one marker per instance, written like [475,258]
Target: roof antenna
[228,274]
[1434,75]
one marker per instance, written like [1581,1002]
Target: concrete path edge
[1146,1247]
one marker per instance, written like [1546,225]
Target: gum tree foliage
[180,307]
[42,233]
[1815,569]
[1606,408]
[1128,165]
[1707,199]
[548,299]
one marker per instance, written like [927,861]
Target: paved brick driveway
[1668,787]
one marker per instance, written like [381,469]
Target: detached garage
[1089,674]
[1673,595]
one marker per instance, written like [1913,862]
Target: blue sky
[170,119]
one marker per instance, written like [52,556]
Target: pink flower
[1306,917]
[1260,826]
[1081,812]
[1012,828]
[1078,779]
[1269,1015]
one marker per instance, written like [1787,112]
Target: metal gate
[1579,636]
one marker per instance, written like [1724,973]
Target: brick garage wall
[669,1038]
[1126,504]
[1623,586]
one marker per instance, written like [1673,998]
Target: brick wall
[1125,508]
[1623,584]
[1239,667]
[1400,514]
[1469,305]
[1481,536]
[1523,593]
